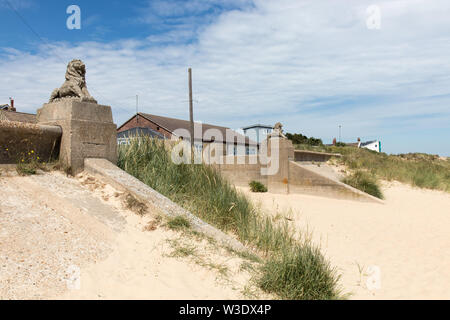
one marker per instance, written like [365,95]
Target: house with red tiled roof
[206,133]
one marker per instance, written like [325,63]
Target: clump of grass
[203,191]
[364,182]
[135,205]
[178,223]
[182,250]
[256,186]
[26,169]
[301,272]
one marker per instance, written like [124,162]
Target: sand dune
[405,243]
[73,238]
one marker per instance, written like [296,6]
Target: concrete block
[88,131]
[283,153]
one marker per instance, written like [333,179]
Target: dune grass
[417,169]
[178,223]
[365,182]
[304,272]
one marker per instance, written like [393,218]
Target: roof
[17,116]
[258,126]
[140,131]
[367,143]
[172,124]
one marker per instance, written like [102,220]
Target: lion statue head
[277,130]
[75,85]
[76,69]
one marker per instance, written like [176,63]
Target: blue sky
[312,65]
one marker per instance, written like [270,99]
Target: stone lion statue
[75,85]
[278,130]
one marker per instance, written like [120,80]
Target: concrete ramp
[322,181]
[121,180]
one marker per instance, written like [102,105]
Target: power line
[25,22]
[28,25]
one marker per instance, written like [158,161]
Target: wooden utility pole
[137,109]
[191,114]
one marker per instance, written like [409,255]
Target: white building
[374,145]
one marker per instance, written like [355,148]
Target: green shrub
[203,191]
[256,186]
[364,182]
[298,138]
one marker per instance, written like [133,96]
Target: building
[8,107]
[233,142]
[374,145]
[8,113]
[124,136]
[257,132]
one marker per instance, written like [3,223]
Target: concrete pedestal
[278,182]
[88,131]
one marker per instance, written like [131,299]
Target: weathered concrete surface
[121,180]
[291,176]
[17,139]
[52,225]
[88,131]
[305,155]
[240,170]
[48,224]
[304,180]
[279,181]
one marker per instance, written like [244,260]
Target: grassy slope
[421,170]
[417,169]
[291,268]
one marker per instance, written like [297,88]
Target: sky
[379,69]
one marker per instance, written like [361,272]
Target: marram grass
[291,268]
[365,182]
[417,169]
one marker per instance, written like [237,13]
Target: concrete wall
[291,176]
[304,181]
[17,139]
[240,170]
[304,155]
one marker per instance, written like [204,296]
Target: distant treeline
[298,138]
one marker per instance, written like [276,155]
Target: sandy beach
[73,238]
[396,250]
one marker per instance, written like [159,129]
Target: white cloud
[309,64]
